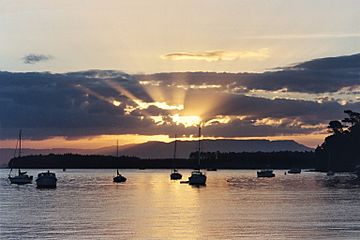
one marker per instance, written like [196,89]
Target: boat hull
[294,171]
[175,176]
[265,174]
[119,179]
[24,179]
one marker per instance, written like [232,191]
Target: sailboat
[22,177]
[118,178]
[197,177]
[175,175]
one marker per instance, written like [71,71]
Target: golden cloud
[218,55]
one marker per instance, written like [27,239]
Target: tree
[342,145]
[353,119]
[336,127]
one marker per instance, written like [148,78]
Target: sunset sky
[85,73]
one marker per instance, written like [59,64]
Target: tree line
[341,150]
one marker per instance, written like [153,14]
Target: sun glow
[187,121]
[116,103]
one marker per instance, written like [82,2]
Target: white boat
[118,178]
[46,180]
[265,173]
[175,175]
[197,177]
[22,177]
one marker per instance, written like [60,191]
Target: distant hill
[165,150]
[184,148]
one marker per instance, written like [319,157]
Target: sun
[187,121]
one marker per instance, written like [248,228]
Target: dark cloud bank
[78,104]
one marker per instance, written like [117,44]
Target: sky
[84,73]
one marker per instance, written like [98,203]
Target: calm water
[233,205]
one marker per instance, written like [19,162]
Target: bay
[234,204]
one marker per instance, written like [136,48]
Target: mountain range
[159,150]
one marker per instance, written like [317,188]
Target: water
[233,205]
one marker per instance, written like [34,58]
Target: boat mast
[20,143]
[199,146]
[175,142]
[17,147]
[117,148]
[117,155]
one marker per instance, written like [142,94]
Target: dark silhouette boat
[118,178]
[197,177]
[175,175]
[211,169]
[294,171]
[46,180]
[265,173]
[22,177]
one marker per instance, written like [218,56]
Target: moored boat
[119,178]
[175,175]
[211,169]
[197,177]
[22,177]
[265,173]
[46,180]
[294,171]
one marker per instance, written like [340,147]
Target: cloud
[325,75]
[36,58]
[220,55]
[95,102]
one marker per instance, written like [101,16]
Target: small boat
[46,180]
[197,177]
[211,169]
[265,173]
[294,171]
[22,177]
[175,175]
[119,178]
